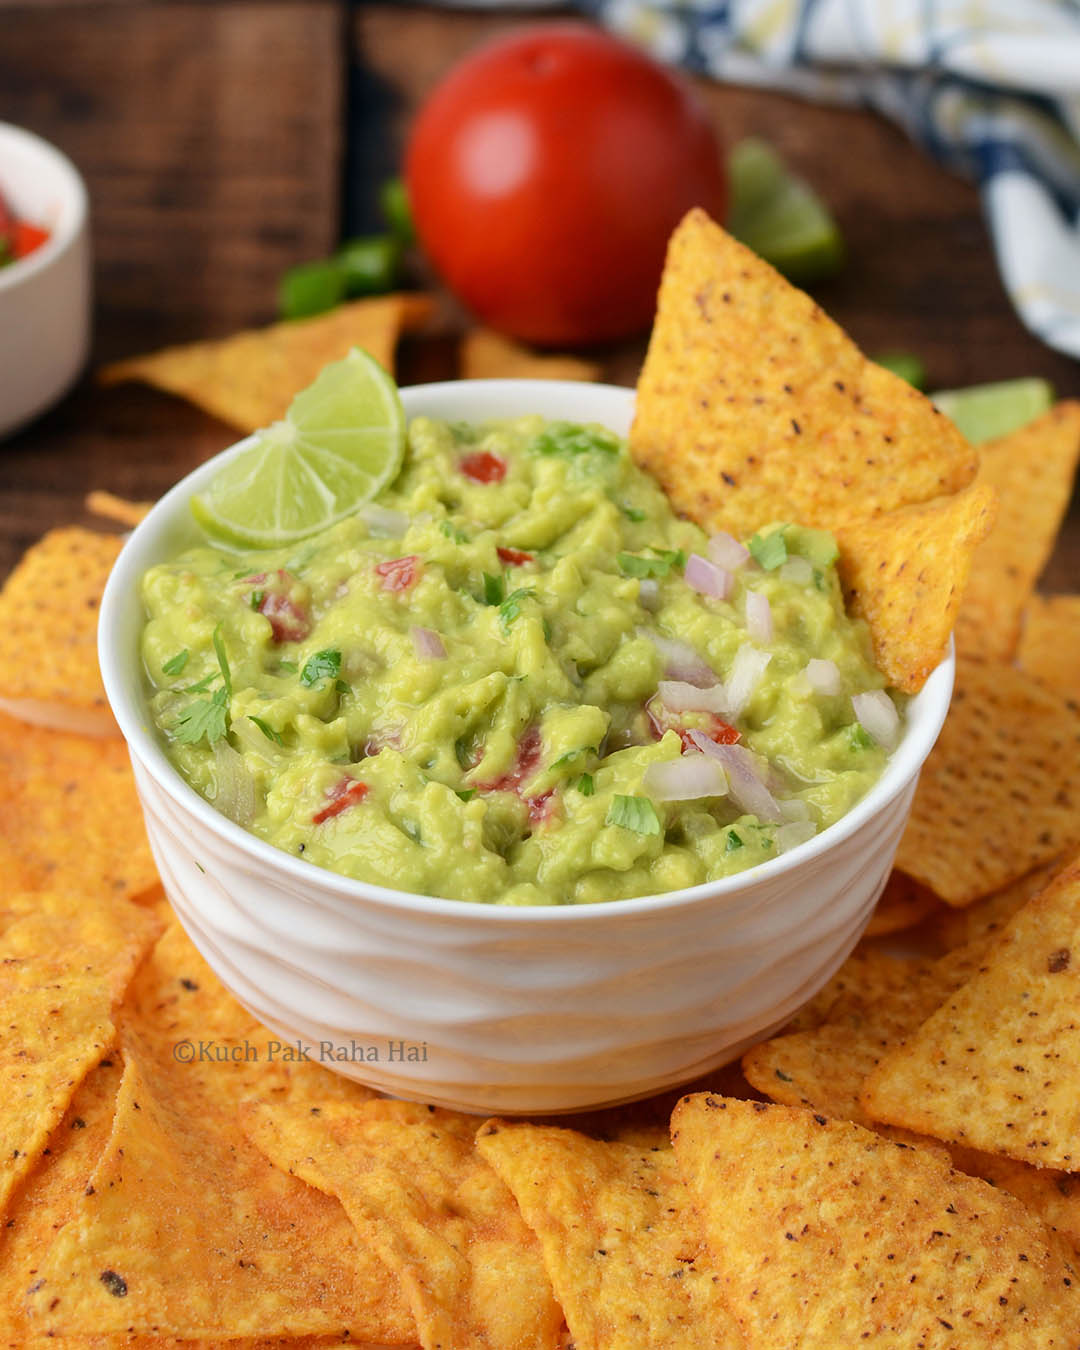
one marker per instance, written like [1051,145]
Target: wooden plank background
[223,142]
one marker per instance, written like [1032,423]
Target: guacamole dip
[519,679]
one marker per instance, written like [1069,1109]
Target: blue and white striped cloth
[990,87]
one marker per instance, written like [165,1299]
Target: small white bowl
[45,297]
[475,1006]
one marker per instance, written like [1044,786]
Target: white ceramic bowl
[44,298]
[475,1006]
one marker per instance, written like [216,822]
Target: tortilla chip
[249,379]
[824,1068]
[206,1238]
[72,821]
[48,633]
[53,1029]
[905,573]
[868,970]
[824,1234]
[994,1068]
[1032,471]
[422,1197]
[490,356]
[68,932]
[753,406]
[1051,1195]
[986,918]
[110,507]
[621,1243]
[1050,643]
[1000,792]
[903,904]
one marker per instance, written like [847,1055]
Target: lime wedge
[339,444]
[984,411]
[780,216]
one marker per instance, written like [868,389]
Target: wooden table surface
[223,142]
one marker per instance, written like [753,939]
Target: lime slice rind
[985,411]
[341,442]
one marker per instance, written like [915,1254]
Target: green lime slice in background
[985,411]
[339,444]
[780,216]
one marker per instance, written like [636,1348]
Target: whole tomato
[545,174]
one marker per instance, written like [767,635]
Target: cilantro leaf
[769,550]
[266,729]
[859,738]
[634,513]
[257,597]
[205,717]
[510,608]
[289,667]
[323,665]
[200,686]
[466,794]
[634,566]
[734,841]
[175,664]
[571,439]
[448,528]
[223,661]
[585,785]
[571,755]
[494,589]
[673,556]
[634,813]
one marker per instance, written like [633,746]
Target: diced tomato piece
[25,238]
[290,620]
[345,793]
[661,720]
[516,557]
[541,808]
[484,467]
[398,574]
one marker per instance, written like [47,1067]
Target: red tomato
[25,238]
[545,175]
[484,467]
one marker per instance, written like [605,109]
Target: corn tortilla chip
[422,1197]
[620,1241]
[868,970]
[490,356]
[71,817]
[1050,643]
[1000,792]
[905,573]
[986,918]
[903,904]
[118,509]
[825,1067]
[1032,471]
[994,1067]
[204,1237]
[53,1030]
[249,379]
[1051,1195]
[48,632]
[824,1234]
[753,406]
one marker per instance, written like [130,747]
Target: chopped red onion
[823,676]
[707,577]
[384,522]
[794,808]
[685,779]
[746,672]
[235,786]
[797,570]
[793,834]
[681,662]
[678,697]
[649,593]
[878,716]
[428,644]
[726,551]
[758,617]
[745,788]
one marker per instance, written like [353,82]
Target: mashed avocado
[519,679]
